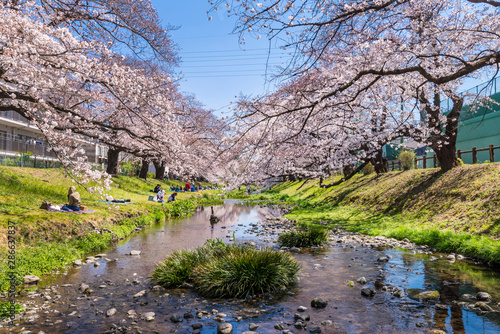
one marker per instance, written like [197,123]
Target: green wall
[480,130]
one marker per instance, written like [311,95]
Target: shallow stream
[57,306]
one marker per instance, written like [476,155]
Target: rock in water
[368,292]
[110,312]
[423,295]
[318,303]
[224,328]
[148,316]
[483,296]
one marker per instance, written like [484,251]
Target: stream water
[57,306]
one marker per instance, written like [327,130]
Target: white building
[18,136]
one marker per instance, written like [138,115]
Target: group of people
[160,193]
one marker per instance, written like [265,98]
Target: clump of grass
[223,271]
[6,309]
[243,271]
[306,237]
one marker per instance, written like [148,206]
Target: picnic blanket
[113,202]
[55,209]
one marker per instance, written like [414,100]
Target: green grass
[307,236]
[223,271]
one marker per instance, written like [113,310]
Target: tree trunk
[380,164]
[446,156]
[348,170]
[160,170]
[143,174]
[445,145]
[113,159]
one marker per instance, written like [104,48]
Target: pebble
[253,326]
[361,280]
[111,312]
[148,316]
[140,294]
[135,252]
[302,309]
[176,318]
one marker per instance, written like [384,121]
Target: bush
[368,169]
[306,237]
[220,270]
[407,158]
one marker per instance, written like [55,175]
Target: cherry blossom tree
[57,69]
[427,47]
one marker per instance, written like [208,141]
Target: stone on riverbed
[140,294]
[77,263]
[302,309]
[483,296]
[483,306]
[423,295]
[176,318]
[368,292]
[253,326]
[111,312]
[318,303]
[148,316]
[224,328]
[31,279]
[135,252]
[361,280]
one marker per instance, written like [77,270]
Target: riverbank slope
[457,211]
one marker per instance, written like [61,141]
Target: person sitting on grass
[74,201]
[157,188]
[160,195]
[172,188]
[172,197]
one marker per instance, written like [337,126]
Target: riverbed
[123,299]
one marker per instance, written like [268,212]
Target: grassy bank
[457,211]
[45,241]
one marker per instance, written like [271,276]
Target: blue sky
[216,67]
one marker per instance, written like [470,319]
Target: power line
[218,51]
[231,65]
[224,76]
